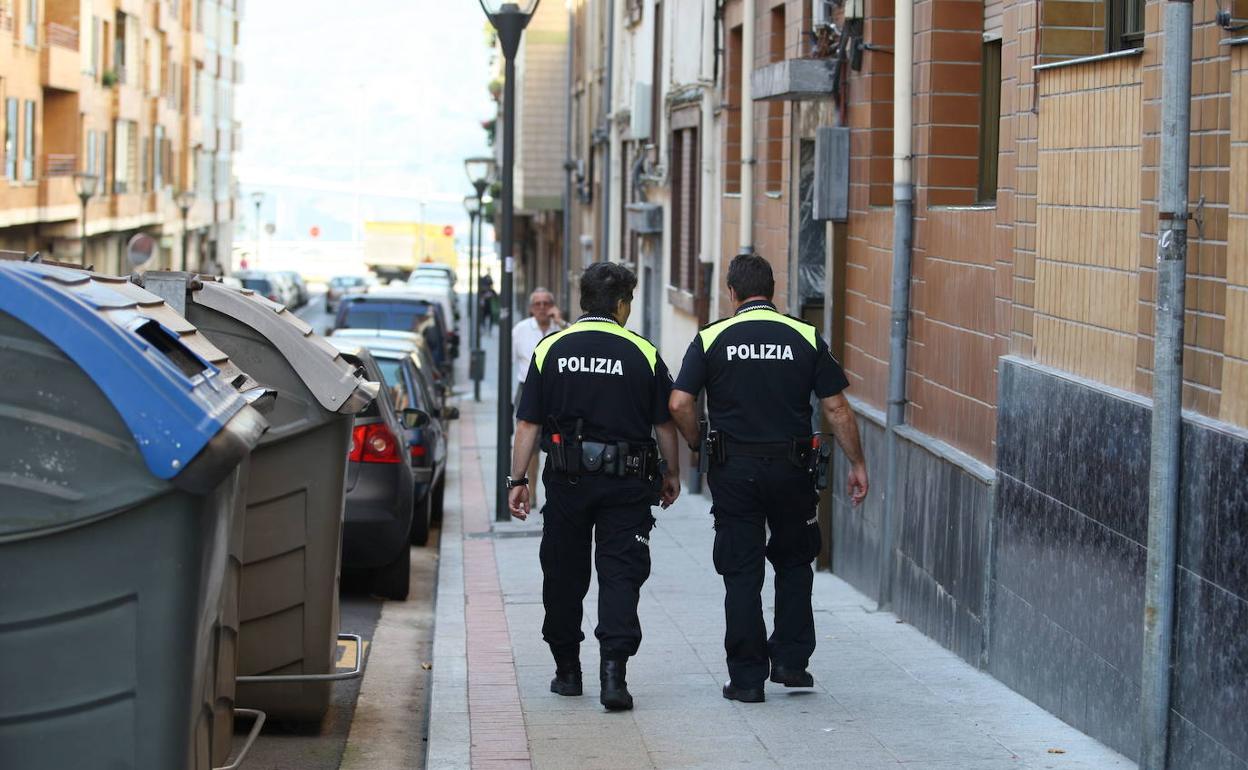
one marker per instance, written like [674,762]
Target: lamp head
[480,172]
[257,198]
[85,184]
[185,200]
[472,205]
[509,19]
[523,7]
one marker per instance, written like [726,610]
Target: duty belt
[809,453]
[616,458]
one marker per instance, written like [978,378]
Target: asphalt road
[320,747]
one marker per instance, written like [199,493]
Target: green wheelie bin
[120,473]
[288,599]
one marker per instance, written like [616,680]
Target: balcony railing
[62,36]
[6,20]
[59,164]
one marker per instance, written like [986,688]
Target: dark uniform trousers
[613,516]
[751,494]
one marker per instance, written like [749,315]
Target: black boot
[615,696]
[567,679]
[744,694]
[791,677]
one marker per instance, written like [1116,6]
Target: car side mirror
[415,418]
[450,413]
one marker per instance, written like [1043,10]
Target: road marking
[347,653]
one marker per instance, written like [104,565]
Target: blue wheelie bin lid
[172,399]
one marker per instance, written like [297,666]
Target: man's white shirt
[524,338]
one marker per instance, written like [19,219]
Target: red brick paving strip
[499,738]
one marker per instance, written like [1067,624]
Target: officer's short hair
[749,275]
[603,285]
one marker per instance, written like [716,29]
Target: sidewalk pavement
[886,696]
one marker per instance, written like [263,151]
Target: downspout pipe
[745,233]
[604,247]
[568,168]
[899,313]
[1165,466]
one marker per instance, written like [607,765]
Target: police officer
[596,393]
[759,368]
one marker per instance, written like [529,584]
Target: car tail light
[272,298]
[373,444]
[418,451]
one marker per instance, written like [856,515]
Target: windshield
[261,285]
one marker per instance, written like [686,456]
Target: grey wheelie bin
[119,475]
[288,599]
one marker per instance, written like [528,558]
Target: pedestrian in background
[596,394]
[544,319]
[759,368]
[487,303]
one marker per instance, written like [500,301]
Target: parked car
[342,285]
[290,295]
[377,519]
[231,281]
[411,386]
[298,284]
[375,338]
[267,285]
[436,268]
[446,309]
[400,311]
[436,286]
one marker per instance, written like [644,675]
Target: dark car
[412,387]
[400,312]
[380,485]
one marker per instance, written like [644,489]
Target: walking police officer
[596,393]
[759,368]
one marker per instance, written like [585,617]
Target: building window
[10,139]
[685,200]
[989,120]
[1124,24]
[31,27]
[160,148]
[732,105]
[102,173]
[92,153]
[773,162]
[28,143]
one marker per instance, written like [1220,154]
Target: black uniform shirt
[759,368]
[601,373]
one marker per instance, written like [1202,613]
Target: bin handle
[335,677]
[259,717]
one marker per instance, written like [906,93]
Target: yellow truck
[394,249]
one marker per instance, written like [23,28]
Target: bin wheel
[392,580]
[422,516]
[439,497]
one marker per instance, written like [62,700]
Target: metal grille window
[989,120]
[685,200]
[1124,24]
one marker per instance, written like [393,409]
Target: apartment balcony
[57,196]
[127,205]
[131,7]
[127,102]
[61,63]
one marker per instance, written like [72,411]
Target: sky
[387,92]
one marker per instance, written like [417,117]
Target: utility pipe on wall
[899,313]
[1165,466]
[746,225]
[569,167]
[604,245]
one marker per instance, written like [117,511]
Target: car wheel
[392,580]
[422,516]
[439,495]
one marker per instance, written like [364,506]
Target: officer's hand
[856,486]
[518,502]
[671,489]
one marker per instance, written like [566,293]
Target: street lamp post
[84,185]
[473,206]
[509,19]
[257,198]
[185,200]
[480,172]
